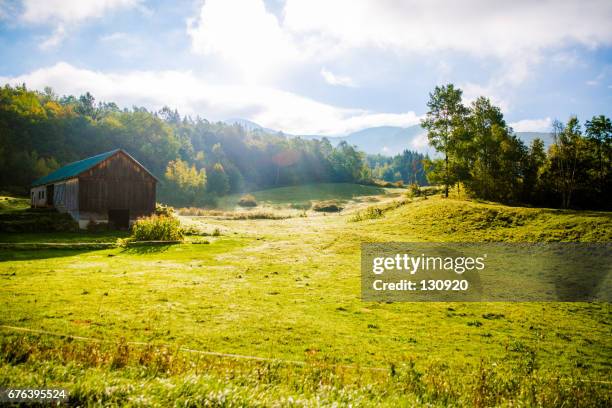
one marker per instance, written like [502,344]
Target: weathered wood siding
[117,183]
[38,196]
[66,197]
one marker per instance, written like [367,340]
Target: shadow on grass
[7,255]
[136,249]
[62,237]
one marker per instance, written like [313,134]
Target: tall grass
[117,372]
[236,215]
[374,212]
[157,228]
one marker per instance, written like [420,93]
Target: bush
[247,200]
[413,190]
[161,209]
[157,228]
[369,213]
[193,211]
[327,206]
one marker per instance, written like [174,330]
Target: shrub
[369,213]
[166,210]
[327,206]
[247,200]
[193,211]
[157,228]
[413,190]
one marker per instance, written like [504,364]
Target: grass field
[306,194]
[289,291]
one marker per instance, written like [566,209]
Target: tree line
[480,152]
[196,160]
[406,167]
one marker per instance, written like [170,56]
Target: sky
[324,67]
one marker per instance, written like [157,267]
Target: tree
[533,168]
[184,184]
[599,132]
[86,105]
[491,158]
[444,122]
[565,155]
[218,181]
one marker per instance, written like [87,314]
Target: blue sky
[314,66]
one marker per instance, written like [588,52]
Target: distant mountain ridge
[386,140]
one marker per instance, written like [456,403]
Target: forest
[196,160]
[480,152]
[199,161]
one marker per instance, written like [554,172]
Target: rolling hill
[386,140]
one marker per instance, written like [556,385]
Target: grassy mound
[438,219]
[327,206]
[247,200]
[37,220]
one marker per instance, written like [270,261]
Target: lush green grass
[304,194]
[290,289]
[9,203]
[68,237]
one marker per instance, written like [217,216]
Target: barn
[110,187]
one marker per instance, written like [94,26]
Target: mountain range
[385,140]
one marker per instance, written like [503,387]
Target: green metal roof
[73,169]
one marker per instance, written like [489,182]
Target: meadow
[269,313]
[303,195]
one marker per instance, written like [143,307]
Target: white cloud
[192,95]
[58,35]
[70,11]
[245,34]
[114,37]
[262,46]
[420,142]
[479,27]
[494,91]
[64,14]
[337,80]
[532,125]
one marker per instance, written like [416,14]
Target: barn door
[49,194]
[119,219]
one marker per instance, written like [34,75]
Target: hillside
[386,140]
[392,140]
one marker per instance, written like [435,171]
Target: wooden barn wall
[71,196]
[117,183]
